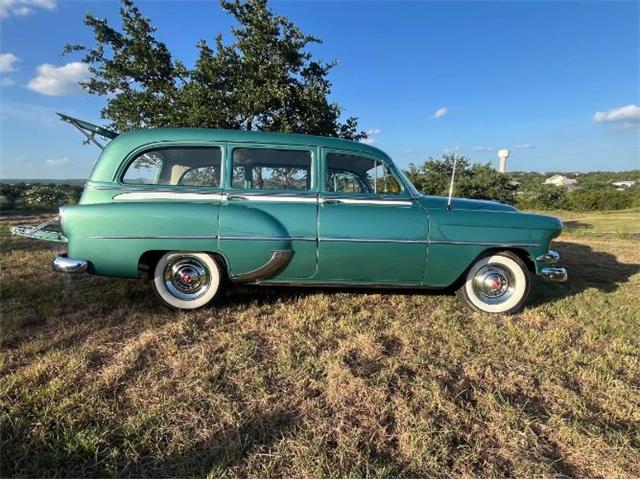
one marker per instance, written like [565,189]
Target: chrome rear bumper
[552,274]
[65,264]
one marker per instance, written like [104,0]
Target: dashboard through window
[348,173]
[188,166]
[271,169]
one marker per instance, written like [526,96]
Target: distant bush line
[526,190]
[23,196]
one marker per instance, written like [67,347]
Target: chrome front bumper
[552,274]
[65,264]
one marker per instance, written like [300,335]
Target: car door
[371,231]
[271,205]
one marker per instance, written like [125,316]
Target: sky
[558,83]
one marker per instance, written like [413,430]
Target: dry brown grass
[98,380]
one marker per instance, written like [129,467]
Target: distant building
[624,184]
[561,181]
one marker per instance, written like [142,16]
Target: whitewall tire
[187,280]
[496,283]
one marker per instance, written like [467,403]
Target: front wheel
[186,280]
[496,283]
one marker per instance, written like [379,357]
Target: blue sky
[556,82]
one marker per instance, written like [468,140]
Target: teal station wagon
[191,209]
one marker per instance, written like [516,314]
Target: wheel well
[521,253]
[148,260]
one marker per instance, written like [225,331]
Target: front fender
[458,237]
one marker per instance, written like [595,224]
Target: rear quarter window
[176,166]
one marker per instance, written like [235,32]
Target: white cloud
[6,82]
[441,112]
[64,80]
[7,62]
[56,162]
[372,135]
[626,114]
[409,150]
[525,146]
[484,149]
[24,7]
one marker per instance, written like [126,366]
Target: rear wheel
[496,283]
[187,280]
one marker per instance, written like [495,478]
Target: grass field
[97,380]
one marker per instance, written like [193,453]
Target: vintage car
[194,209]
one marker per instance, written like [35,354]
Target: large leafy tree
[265,79]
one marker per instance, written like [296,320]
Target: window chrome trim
[165,195]
[272,198]
[364,201]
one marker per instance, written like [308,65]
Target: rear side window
[188,166]
[271,169]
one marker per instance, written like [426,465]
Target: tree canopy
[475,180]
[264,79]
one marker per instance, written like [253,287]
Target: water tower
[503,155]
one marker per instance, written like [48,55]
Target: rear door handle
[236,197]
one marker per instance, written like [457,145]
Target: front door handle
[331,201]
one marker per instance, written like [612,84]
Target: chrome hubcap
[494,284]
[187,278]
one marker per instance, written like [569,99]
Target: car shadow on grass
[587,268]
[571,225]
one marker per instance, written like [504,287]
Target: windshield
[412,190]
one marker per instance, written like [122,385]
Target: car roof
[125,143]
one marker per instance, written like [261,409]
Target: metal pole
[453,176]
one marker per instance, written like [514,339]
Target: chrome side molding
[550,258]
[554,274]
[276,264]
[64,264]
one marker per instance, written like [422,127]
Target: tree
[475,180]
[265,79]
[45,196]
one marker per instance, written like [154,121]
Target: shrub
[12,193]
[52,195]
[543,197]
[599,200]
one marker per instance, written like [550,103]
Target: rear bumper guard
[64,264]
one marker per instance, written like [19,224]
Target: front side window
[271,169]
[348,173]
[178,166]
